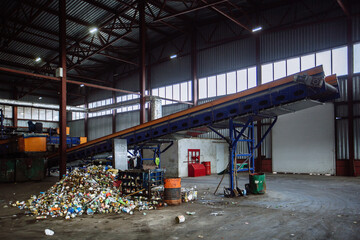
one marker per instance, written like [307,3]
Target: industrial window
[168,94]
[230,82]
[128,97]
[162,94]
[35,114]
[79,115]
[279,69]
[48,114]
[324,59]
[30,113]
[307,62]
[202,88]
[340,61]
[176,92]
[212,86]
[99,104]
[241,80]
[55,116]
[267,73]
[334,61]
[189,91]
[293,65]
[221,85]
[184,91]
[42,114]
[7,111]
[357,58]
[252,77]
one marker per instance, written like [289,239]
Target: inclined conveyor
[292,93]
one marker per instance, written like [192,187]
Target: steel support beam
[344,8]
[62,61]
[67,81]
[113,119]
[350,97]
[86,122]
[258,136]
[148,80]
[118,59]
[189,10]
[195,83]
[227,16]
[142,37]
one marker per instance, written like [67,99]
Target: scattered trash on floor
[200,236]
[180,219]
[246,223]
[189,194]
[49,232]
[217,213]
[88,191]
[292,235]
[190,213]
[355,222]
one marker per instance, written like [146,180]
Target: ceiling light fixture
[257,29]
[93,30]
[82,85]
[38,59]
[173,56]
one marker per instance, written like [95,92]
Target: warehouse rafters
[29,29]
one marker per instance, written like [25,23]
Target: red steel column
[148,74]
[142,36]
[15,110]
[195,92]
[114,113]
[350,97]
[62,60]
[86,127]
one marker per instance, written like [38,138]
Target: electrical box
[59,72]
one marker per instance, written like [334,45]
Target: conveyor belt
[251,101]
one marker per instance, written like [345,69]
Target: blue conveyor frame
[248,103]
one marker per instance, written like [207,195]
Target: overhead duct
[40,105]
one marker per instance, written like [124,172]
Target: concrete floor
[294,207]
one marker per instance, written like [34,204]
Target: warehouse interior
[214,119]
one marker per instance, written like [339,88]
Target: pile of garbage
[88,190]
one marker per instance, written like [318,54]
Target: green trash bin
[257,183]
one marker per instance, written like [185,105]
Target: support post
[62,112]
[114,113]
[148,74]
[350,96]
[195,84]
[86,122]
[15,110]
[258,136]
[142,37]
[232,157]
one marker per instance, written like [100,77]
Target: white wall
[304,141]
[208,152]
[175,159]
